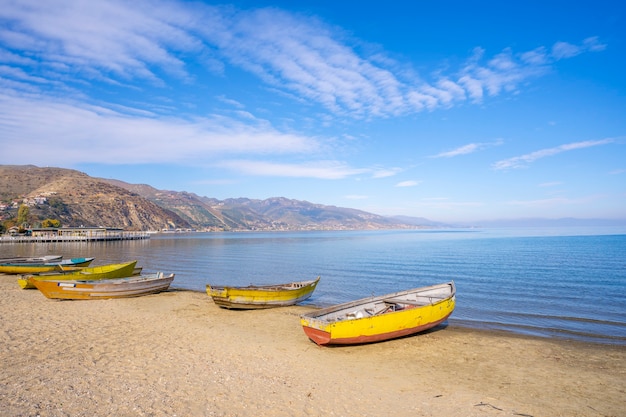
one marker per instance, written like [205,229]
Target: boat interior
[383,306]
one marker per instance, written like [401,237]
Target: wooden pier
[74,235]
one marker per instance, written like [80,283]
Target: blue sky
[454,111]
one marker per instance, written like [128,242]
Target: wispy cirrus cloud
[58,57]
[329,170]
[385,172]
[467,149]
[524,160]
[117,42]
[507,70]
[320,169]
[407,184]
[104,39]
[91,134]
[563,50]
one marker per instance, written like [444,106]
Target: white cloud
[562,50]
[463,150]
[523,160]
[385,172]
[62,133]
[303,55]
[231,102]
[407,183]
[102,38]
[537,56]
[19,74]
[593,44]
[328,170]
[467,149]
[119,42]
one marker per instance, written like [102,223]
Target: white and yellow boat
[385,317]
[134,286]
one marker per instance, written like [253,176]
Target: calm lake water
[564,283]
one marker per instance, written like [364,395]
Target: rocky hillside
[78,199]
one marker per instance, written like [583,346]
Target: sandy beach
[177,354]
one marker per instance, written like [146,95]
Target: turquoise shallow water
[564,283]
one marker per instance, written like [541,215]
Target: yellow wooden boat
[261,296]
[39,267]
[106,288]
[385,317]
[109,271]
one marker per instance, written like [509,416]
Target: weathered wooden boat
[39,267]
[261,296]
[380,318]
[109,271]
[30,260]
[106,288]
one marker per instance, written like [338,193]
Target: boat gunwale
[114,281]
[289,286]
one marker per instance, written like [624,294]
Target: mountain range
[76,199]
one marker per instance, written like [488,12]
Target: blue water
[561,283]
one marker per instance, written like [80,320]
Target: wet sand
[177,354]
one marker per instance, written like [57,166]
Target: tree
[51,223]
[22,214]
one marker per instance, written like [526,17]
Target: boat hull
[32,260]
[340,325]
[37,268]
[105,289]
[109,271]
[260,297]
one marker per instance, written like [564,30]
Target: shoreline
[177,353]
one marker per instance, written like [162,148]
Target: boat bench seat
[381,308]
[426,301]
[409,302]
